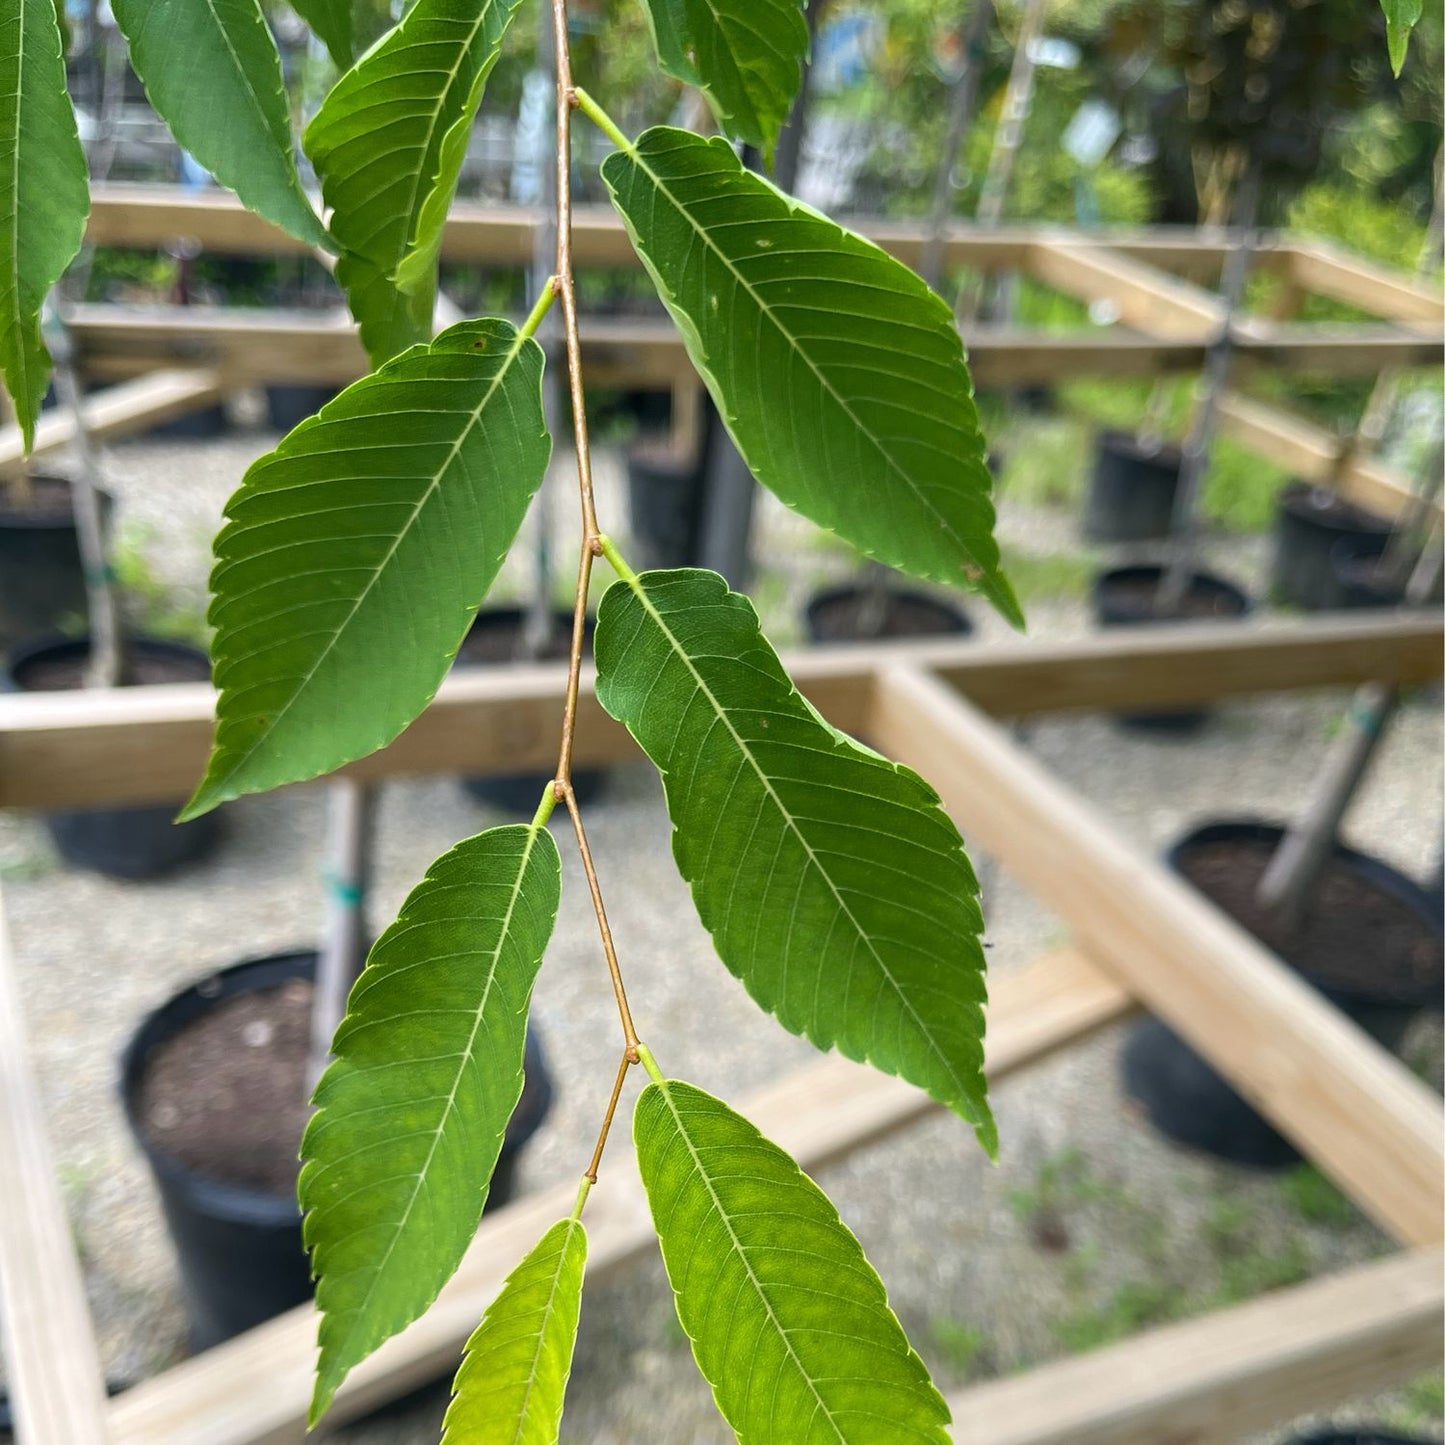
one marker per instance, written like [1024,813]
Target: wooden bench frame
[1154,278]
[1139,937]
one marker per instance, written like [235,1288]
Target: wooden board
[1337,348]
[52,1364]
[1150,300]
[1355,1110]
[251,347]
[1212,1381]
[1314,454]
[149,744]
[122,410]
[254,1389]
[127,214]
[1326,270]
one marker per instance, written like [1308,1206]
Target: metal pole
[962,106]
[350,812]
[1218,360]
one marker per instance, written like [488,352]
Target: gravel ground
[1089,1227]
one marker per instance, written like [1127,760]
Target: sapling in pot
[1367,936]
[133,842]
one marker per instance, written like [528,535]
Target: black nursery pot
[42,581]
[835,615]
[1188,1102]
[288,406]
[1124,597]
[1309,524]
[1356,1435]
[1131,489]
[665,495]
[493,640]
[1359,582]
[132,843]
[239,1249]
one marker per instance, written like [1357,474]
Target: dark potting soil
[1136,596]
[227,1095]
[45,503]
[844,619]
[67,674]
[1355,937]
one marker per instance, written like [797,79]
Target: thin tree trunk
[981,299]
[1195,461]
[537,627]
[350,814]
[962,107]
[106,666]
[1305,849]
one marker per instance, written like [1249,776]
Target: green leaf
[789,1322]
[746,56]
[832,881]
[512,1382]
[427,1070]
[331,21]
[355,556]
[1401,17]
[212,71]
[840,375]
[388,144]
[44,195]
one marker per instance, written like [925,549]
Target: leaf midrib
[722,714]
[431,126]
[567,1234]
[22,357]
[793,343]
[515,351]
[665,1090]
[446,1112]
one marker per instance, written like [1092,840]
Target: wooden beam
[1326,270]
[254,1389]
[53,1367]
[1338,348]
[1150,300]
[1355,1110]
[145,217]
[1212,1381]
[1314,454]
[258,346]
[123,410]
[149,744]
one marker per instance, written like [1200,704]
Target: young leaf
[356,554]
[832,881]
[511,1385]
[789,1322]
[746,56]
[388,144]
[840,375]
[44,194]
[212,71]
[1401,17]
[331,21]
[412,1111]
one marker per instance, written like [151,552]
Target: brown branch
[565,285]
[628,1029]
[628,1059]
